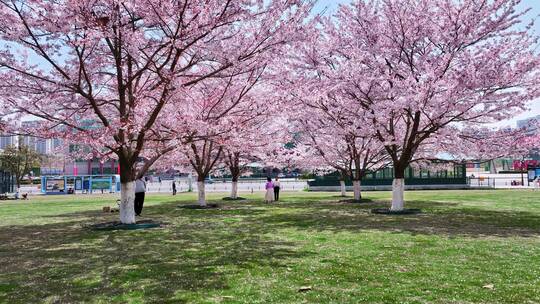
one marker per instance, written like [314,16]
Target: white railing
[224,186]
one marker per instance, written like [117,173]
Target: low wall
[389,187]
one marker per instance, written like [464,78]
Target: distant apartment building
[6,141]
[44,146]
[54,151]
[41,145]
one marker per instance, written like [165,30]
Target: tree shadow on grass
[168,208]
[200,249]
[446,219]
[195,253]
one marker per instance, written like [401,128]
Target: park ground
[467,247]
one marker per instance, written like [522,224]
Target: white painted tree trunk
[343,188]
[234,190]
[127,198]
[202,193]
[356,188]
[398,189]
[492,167]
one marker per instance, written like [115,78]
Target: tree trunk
[343,188]
[398,189]
[18,192]
[357,192]
[202,193]
[235,174]
[492,167]
[234,189]
[127,198]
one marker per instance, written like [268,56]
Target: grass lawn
[468,247]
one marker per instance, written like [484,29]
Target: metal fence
[7,182]
[499,182]
[255,185]
[247,185]
[182,185]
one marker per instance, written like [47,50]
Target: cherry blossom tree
[222,120]
[254,129]
[338,139]
[248,144]
[352,155]
[203,155]
[333,129]
[418,68]
[101,72]
[483,143]
[236,162]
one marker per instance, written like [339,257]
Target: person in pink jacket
[269,197]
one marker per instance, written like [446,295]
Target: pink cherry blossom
[102,72]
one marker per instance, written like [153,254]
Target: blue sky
[331,5]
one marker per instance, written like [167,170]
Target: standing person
[277,186]
[269,197]
[140,189]
[173,187]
